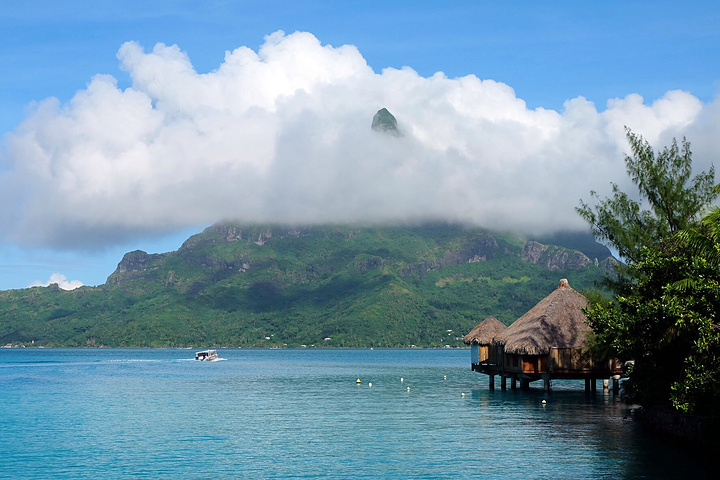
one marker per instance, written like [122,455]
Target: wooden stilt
[616,384]
[593,385]
[503,382]
[587,385]
[546,382]
[491,382]
[513,383]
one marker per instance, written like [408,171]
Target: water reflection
[585,435]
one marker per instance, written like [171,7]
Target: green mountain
[326,286]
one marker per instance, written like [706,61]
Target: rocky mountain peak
[553,257]
[133,265]
[385,122]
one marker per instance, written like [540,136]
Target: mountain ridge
[275,286]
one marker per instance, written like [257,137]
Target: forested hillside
[328,286]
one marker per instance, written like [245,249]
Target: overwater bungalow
[548,342]
[480,339]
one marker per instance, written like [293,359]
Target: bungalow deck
[559,364]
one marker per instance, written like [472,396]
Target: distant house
[548,342]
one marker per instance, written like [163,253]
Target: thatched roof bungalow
[549,341]
[557,321]
[481,338]
[485,332]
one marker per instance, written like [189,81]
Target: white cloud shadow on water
[283,135]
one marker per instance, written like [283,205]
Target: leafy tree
[663,317]
[667,329]
[699,388]
[703,239]
[674,197]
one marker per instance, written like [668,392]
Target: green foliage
[675,199]
[663,316]
[240,286]
[668,330]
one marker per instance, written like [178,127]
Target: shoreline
[687,430]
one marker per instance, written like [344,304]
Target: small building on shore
[548,342]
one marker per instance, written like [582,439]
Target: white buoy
[358,381]
[544,402]
[462,394]
[444,377]
[402,379]
[370,384]
[408,389]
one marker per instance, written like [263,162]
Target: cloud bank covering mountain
[283,135]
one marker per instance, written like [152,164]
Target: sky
[133,125]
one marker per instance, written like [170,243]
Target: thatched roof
[556,321]
[484,332]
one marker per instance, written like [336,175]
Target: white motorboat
[207,355]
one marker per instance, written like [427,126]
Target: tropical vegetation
[663,319]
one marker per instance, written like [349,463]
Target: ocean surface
[148,413]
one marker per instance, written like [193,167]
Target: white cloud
[283,135]
[59,279]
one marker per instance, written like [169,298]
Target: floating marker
[544,402]
[462,394]
[358,381]
[402,379]
[408,389]
[444,377]
[370,384]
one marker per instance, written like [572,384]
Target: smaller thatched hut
[481,339]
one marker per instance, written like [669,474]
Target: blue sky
[535,57]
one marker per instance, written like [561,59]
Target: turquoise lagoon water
[300,414]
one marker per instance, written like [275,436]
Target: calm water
[300,414]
